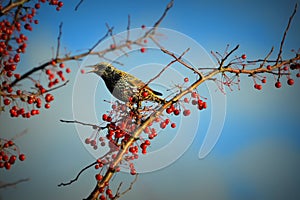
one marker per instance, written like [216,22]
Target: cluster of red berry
[13,43]
[8,153]
[122,121]
[282,71]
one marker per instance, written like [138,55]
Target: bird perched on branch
[125,86]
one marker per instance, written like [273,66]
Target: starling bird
[124,86]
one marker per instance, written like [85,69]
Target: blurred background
[258,153]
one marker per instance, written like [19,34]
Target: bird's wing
[135,82]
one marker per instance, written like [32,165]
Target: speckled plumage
[123,85]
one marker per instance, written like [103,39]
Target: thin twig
[169,6]
[79,3]
[182,62]
[58,39]
[285,32]
[225,58]
[128,28]
[94,126]
[109,31]
[118,194]
[55,88]
[131,184]
[76,178]
[13,184]
[167,66]
[267,57]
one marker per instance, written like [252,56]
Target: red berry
[17,58]
[173,125]
[12,159]
[47,105]
[147,142]
[194,102]
[60,4]
[298,75]
[176,112]
[244,56]
[6,102]
[186,100]
[49,98]
[290,81]
[143,49]
[28,27]
[9,73]
[87,141]
[167,121]
[112,46]
[17,76]
[93,143]
[264,80]
[143,26]
[82,71]
[10,143]
[22,157]
[259,87]
[108,192]
[194,94]
[68,70]
[186,79]
[9,90]
[133,172]
[30,100]
[278,84]
[5,157]
[269,67]
[7,165]
[169,110]
[61,65]
[104,117]
[145,94]
[186,112]
[163,125]
[98,177]
[37,6]
[109,119]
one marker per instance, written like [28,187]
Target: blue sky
[258,153]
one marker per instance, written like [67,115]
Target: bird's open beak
[93,69]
